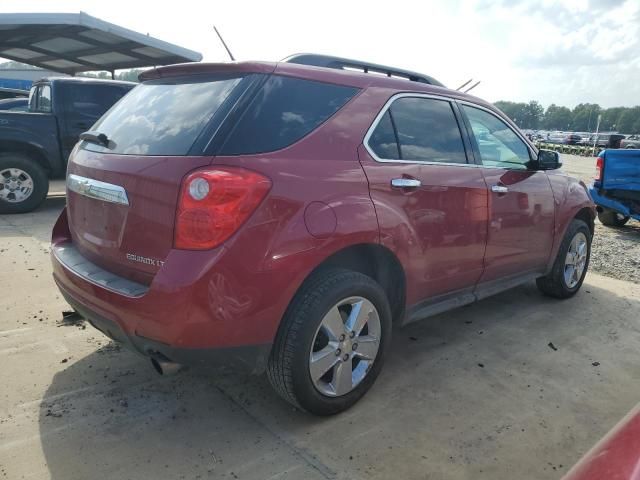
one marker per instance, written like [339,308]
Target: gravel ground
[615,251]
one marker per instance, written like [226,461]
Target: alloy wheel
[345,346]
[16,185]
[575,260]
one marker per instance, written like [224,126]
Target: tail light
[214,203]
[599,168]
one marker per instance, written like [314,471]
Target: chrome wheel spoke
[333,324]
[343,377]
[367,347]
[357,318]
[323,361]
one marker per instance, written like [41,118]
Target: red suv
[284,216]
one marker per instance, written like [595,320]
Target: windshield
[162,117]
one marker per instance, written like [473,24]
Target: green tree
[557,118]
[585,117]
[629,120]
[610,118]
[525,115]
[533,114]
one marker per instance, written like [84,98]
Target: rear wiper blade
[94,136]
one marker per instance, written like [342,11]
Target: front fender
[571,199]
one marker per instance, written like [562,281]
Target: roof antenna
[472,86]
[224,44]
[464,84]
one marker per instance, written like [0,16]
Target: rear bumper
[249,359]
[602,201]
[200,308]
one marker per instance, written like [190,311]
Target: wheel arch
[375,261]
[587,215]
[32,151]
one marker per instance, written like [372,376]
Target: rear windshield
[162,117]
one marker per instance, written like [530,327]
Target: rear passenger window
[420,129]
[383,140]
[285,110]
[427,130]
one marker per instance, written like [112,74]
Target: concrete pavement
[516,386]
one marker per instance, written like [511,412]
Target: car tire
[303,336]
[562,281]
[23,183]
[611,218]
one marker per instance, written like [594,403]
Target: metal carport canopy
[77,42]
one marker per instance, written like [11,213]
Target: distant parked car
[18,104]
[35,145]
[282,217]
[630,142]
[572,139]
[607,140]
[556,137]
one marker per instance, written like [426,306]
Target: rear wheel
[23,183]
[571,264]
[331,345]
[611,218]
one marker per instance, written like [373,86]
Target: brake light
[214,203]
[599,168]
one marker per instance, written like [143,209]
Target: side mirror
[547,160]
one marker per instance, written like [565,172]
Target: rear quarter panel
[318,204]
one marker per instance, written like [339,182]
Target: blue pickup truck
[616,188]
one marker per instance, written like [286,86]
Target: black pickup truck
[35,145]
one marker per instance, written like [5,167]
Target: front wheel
[571,264]
[611,218]
[332,342]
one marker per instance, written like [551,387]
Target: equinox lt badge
[146,260]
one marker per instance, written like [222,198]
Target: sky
[563,52]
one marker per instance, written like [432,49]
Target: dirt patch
[615,252]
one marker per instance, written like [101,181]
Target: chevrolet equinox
[282,217]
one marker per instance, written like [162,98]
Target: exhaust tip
[163,366]
[156,366]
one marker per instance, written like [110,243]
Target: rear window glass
[162,117]
[285,110]
[383,140]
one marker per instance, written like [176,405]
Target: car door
[431,202]
[521,204]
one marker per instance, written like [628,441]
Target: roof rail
[358,65]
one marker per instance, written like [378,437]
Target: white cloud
[562,52]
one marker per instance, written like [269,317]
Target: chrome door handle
[499,189]
[405,183]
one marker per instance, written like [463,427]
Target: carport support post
[113,74]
